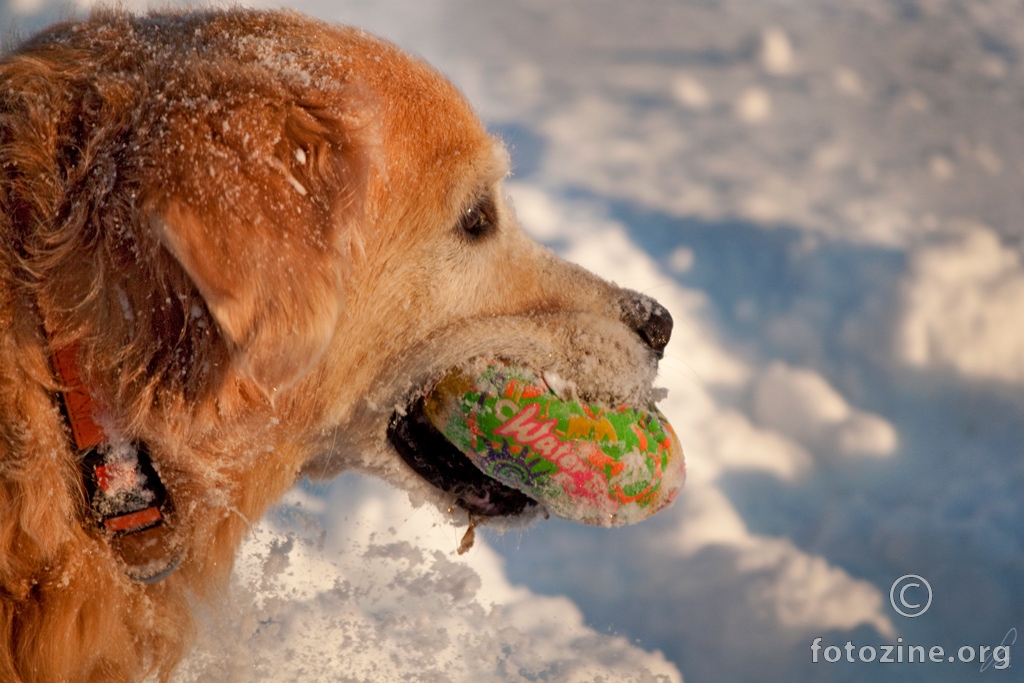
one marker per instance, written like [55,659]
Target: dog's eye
[480,220]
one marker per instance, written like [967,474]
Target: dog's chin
[441,464]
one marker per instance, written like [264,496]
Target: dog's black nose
[651,320]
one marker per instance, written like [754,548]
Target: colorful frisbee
[606,466]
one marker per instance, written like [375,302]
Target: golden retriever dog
[236,247]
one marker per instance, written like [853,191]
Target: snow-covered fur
[254,227]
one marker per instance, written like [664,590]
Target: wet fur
[248,223]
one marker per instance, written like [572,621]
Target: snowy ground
[829,197]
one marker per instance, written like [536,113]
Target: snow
[827,197]
[357,585]
[802,405]
[958,297]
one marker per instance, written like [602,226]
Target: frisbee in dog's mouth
[500,439]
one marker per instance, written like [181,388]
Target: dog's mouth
[502,439]
[434,458]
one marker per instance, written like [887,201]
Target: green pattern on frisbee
[595,464]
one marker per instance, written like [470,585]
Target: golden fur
[248,222]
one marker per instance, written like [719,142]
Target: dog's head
[339,209]
[392,256]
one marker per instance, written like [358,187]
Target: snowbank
[357,585]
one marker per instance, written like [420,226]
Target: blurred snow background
[829,197]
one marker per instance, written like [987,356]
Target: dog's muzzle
[439,462]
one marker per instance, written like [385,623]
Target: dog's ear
[267,242]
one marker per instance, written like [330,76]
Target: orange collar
[77,401]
